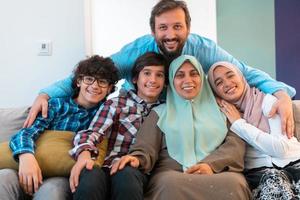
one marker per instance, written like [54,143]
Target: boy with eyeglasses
[94,79]
[118,120]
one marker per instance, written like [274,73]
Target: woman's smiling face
[187,81]
[229,85]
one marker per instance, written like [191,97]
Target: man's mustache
[171,40]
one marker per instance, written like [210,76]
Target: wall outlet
[44,48]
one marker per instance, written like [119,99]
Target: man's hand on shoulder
[40,104]
[284,108]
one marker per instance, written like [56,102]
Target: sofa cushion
[11,120]
[51,153]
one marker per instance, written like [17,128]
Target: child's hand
[30,175]
[201,168]
[84,160]
[230,111]
[120,164]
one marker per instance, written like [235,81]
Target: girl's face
[229,84]
[187,81]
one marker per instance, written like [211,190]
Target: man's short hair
[147,59]
[167,5]
[98,67]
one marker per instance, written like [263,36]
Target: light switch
[45,48]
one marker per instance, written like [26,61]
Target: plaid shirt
[63,114]
[118,119]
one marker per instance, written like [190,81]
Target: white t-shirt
[266,149]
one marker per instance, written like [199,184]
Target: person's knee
[92,184]
[8,176]
[168,181]
[239,184]
[92,178]
[165,182]
[9,185]
[55,188]
[129,179]
[128,183]
[239,181]
[9,179]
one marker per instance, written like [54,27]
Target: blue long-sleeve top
[205,50]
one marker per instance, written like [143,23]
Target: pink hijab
[250,103]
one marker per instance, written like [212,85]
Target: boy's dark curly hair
[98,67]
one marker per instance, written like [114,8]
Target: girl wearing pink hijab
[272,161]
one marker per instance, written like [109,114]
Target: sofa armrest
[11,120]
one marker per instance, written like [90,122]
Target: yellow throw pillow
[52,154]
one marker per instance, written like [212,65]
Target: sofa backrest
[11,120]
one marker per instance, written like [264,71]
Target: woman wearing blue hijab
[185,144]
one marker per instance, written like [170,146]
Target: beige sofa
[12,119]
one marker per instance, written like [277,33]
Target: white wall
[22,24]
[118,22]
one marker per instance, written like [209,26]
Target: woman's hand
[229,110]
[124,160]
[30,175]
[84,161]
[201,168]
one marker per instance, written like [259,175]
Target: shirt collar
[136,98]
[75,104]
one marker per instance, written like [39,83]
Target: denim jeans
[55,188]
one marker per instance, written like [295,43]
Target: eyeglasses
[89,80]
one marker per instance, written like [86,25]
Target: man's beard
[170,56]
